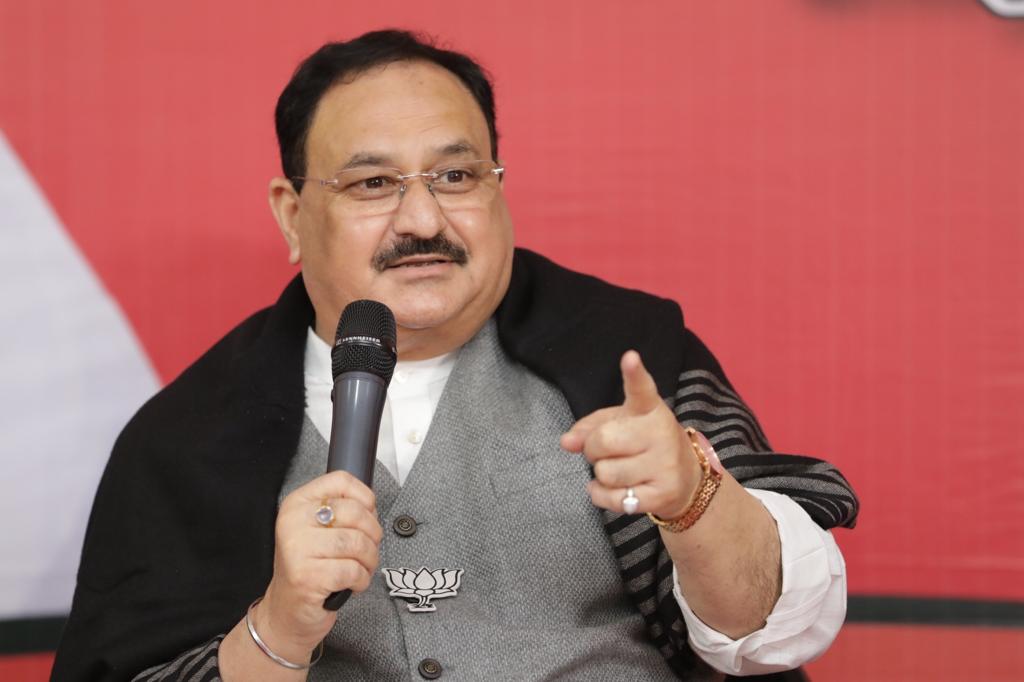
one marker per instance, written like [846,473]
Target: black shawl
[181,536]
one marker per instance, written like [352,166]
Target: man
[540,437]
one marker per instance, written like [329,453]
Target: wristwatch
[710,479]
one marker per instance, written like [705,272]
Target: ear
[284,204]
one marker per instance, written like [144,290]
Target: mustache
[438,245]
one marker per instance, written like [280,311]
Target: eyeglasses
[372,190]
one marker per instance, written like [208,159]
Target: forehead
[404,113]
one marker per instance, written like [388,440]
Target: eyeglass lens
[372,190]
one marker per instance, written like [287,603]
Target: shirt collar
[318,364]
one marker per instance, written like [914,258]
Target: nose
[418,212]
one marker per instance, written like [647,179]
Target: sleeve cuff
[809,611]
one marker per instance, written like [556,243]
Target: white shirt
[810,609]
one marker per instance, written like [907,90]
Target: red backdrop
[832,190]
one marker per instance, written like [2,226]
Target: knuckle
[343,513]
[598,444]
[607,473]
[376,531]
[361,580]
[341,476]
[340,577]
[336,482]
[367,547]
[353,513]
[350,572]
[617,436]
[343,544]
[373,562]
[603,499]
[356,545]
[605,436]
[302,579]
[371,527]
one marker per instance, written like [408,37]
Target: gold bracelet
[710,480]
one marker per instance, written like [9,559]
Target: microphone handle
[358,404]
[337,599]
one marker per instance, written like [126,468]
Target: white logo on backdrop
[71,374]
[1006,8]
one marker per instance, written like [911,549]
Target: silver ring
[630,502]
[325,515]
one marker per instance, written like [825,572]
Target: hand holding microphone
[327,533]
[362,362]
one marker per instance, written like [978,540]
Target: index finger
[337,484]
[638,385]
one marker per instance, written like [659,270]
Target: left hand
[637,445]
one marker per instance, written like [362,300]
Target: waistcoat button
[430,669]
[405,525]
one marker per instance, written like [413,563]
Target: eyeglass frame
[325,183]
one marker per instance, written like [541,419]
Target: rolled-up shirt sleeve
[808,614]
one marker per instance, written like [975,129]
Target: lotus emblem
[422,586]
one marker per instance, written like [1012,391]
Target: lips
[419,261]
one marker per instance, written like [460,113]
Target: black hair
[336,61]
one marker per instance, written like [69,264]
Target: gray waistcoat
[493,494]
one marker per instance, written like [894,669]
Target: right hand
[312,561]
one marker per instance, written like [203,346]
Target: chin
[421,315]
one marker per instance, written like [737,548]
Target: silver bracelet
[265,649]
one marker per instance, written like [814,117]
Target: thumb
[638,385]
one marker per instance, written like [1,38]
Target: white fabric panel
[71,374]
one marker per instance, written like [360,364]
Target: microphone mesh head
[366,340]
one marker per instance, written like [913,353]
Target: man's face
[413,116]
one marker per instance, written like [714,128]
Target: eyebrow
[363,159]
[457,148]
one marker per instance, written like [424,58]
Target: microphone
[362,362]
